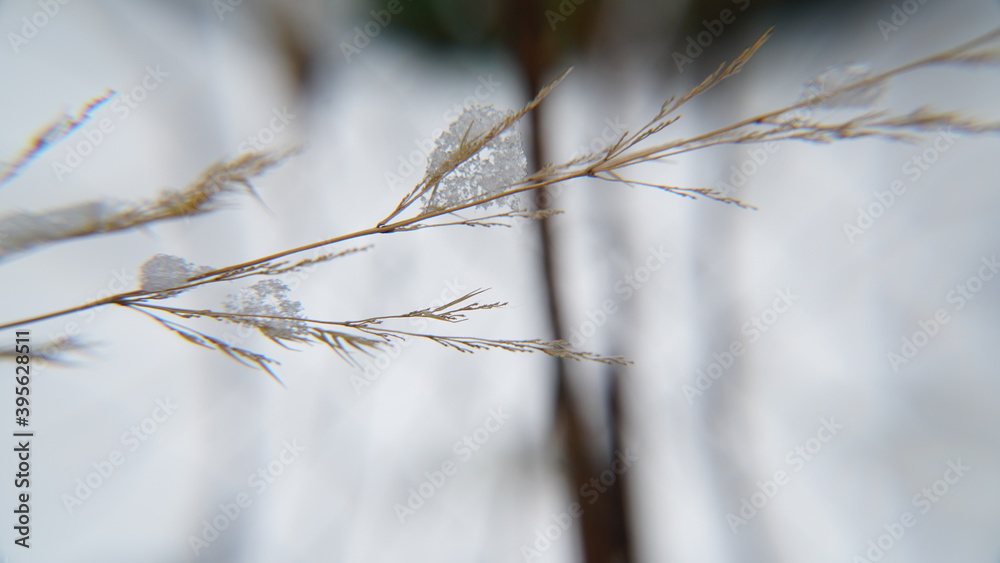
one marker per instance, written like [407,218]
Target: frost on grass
[841,77]
[268,298]
[498,165]
[25,230]
[164,271]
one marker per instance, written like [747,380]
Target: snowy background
[339,455]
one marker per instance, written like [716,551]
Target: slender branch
[602,165]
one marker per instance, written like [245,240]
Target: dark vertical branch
[621,534]
[603,522]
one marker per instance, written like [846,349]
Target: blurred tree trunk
[605,529]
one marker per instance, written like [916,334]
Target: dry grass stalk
[349,338]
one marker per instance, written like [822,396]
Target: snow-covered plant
[22,231]
[841,80]
[25,230]
[478,162]
[266,305]
[497,166]
[163,272]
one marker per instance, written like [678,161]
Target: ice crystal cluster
[499,164]
[840,76]
[164,271]
[268,298]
